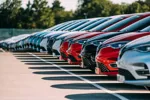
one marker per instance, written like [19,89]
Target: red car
[65,45]
[109,51]
[75,48]
[67,41]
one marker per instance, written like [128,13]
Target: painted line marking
[85,80]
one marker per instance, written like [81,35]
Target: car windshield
[68,25]
[137,25]
[147,29]
[57,26]
[121,23]
[61,26]
[76,25]
[95,24]
[106,24]
[86,24]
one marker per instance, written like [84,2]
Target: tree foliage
[40,15]
[98,8]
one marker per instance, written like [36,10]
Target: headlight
[117,45]
[143,48]
[81,41]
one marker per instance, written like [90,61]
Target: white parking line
[85,80]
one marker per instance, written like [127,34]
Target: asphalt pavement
[38,76]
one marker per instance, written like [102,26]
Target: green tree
[116,9]
[56,6]
[93,8]
[43,16]
[59,12]
[138,7]
[148,2]
[8,12]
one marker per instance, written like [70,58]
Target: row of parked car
[114,46]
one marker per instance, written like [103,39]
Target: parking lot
[38,76]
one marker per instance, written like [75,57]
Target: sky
[71,4]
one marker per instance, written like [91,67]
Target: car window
[137,25]
[121,23]
[85,25]
[107,23]
[69,25]
[57,26]
[147,29]
[95,24]
[76,25]
[61,26]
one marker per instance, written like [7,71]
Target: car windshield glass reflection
[120,24]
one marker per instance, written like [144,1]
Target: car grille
[102,67]
[63,55]
[72,58]
[126,74]
[143,71]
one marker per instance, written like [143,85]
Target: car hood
[74,35]
[105,35]
[126,37]
[89,35]
[139,41]
[53,33]
[69,33]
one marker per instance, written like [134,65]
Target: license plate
[120,78]
[54,54]
[69,61]
[82,65]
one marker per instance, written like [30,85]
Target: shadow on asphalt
[91,78]
[62,72]
[91,96]
[36,58]
[25,53]
[26,58]
[43,63]
[79,86]
[62,78]
[31,56]
[105,96]
[136,96]
[31,61]
[50,73]
[51,68]
[117,86]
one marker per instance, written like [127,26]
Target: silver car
[134,62]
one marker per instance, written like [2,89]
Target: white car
[134,62]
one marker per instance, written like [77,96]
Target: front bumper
[88,56]
[56,47]
[73,53]
[63,50]
[141,82]
[137,65]
[43,45]
[108,57]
